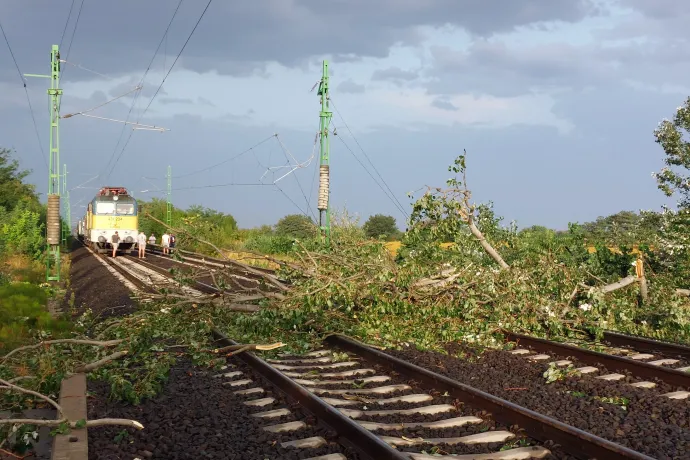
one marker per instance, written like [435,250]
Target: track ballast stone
[94,287]
[197,416]
[650,424]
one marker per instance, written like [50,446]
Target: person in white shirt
[141,243]
[152,239]
[165,241]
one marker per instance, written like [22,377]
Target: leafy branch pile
[486,278]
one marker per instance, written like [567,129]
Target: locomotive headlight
[101,239]
[129,239]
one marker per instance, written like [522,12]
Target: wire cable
[71,40]
[229,159]
[69,115]
[392,195]
[66,23]
[31,109]
[299,184]
[397,205]
[79,66]
[228,184]
[141,83]
[172,66]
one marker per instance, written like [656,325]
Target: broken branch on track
[98,343]
[269,278]
[6,385]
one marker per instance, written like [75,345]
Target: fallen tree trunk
[627,281]
[271,279]
[487,246]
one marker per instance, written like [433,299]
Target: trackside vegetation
[460,274]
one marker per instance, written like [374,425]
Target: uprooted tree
[672,135]
[449,212]
[487,278]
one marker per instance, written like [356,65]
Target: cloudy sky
[554,100]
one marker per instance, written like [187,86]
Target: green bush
[23,310]
[21,231]
[269,244]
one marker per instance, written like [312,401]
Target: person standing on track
[152,239]
[141,244]
[172,242]
[115,241]
[165,241]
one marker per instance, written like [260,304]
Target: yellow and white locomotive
[113,209]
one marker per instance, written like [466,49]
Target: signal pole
[324,157]
[53,215]
[168,215]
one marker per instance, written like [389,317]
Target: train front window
[126,209]
[105,207]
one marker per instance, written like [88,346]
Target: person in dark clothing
[172,242]
[115,241]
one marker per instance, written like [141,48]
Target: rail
[350,432]
[540,427]
[612,362]
[646,344]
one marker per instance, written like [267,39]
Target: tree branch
[58,422]
[10,386]
[268,277]
[96,364]
[252,346]
[98,343]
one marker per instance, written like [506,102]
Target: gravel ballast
[196,416]
[650,424]
[94,287]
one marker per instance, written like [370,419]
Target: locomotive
[112,209]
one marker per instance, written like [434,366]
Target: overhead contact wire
[31,109]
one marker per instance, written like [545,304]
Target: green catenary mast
[67,222]
[324,165]
[53,215]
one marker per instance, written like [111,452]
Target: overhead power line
[28,99]
[234,157]
[66,23]
[393,200]
[392,195]
[74,32]
[228,184]
[141,83]
[172,66]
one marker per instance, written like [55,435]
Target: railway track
[386,408]
[376,406]
[648,368]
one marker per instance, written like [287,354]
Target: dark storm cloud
[148,89]
[494,67]
[443,104]
[237,36]
[349,86]
[658,9]
[175,100]
[394,74]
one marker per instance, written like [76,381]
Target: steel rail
[540,427]
[611,362]
[131,278]
[350,433]
[158,249]
[198,285]
[646,344]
